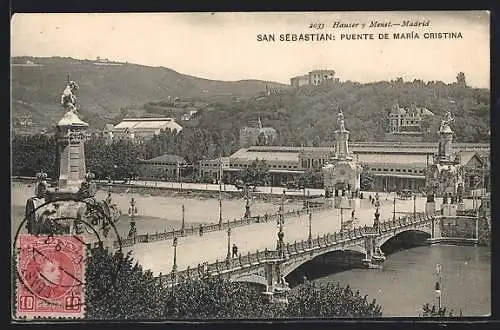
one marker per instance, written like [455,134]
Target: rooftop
[251,154]
[149,119]
[146,124]
[167,158]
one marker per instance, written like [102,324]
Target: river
[406,281]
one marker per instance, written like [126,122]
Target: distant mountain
[107,87]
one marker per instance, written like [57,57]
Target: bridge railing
[297,247]
[219,266]
[199,230]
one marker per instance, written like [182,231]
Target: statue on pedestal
[68,98]
[340,120]
[447,120]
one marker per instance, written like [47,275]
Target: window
[392,170]
[385,170]
[397,170]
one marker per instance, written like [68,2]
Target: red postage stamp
[50,276]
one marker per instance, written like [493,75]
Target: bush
[433,311]
[118,288]
[330,301]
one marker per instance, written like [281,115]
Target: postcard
[250,165]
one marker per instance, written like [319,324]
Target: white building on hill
[144,127]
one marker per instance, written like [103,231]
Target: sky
[224,46]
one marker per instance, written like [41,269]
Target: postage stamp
[50,276]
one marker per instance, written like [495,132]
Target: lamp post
[437,286]
[414,206]
[341,219]
[132,211]
[108,198]
[376,221]
[394,210]
[174,244]
[281,234]
[247,204]
[183,224]
[310,229]
[220,209]
[220,173]
[228,240]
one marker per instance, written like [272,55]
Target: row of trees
[118,159]
[118,288]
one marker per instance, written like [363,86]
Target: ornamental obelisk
[342,175]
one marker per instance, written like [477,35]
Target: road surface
[192,250]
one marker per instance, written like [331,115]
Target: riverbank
[406,280]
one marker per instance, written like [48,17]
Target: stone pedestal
[449,210]
[461,206]
[430,208]
[70,152]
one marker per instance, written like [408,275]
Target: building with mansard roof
[144,127]
[256,135]
[406,124]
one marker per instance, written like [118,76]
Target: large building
[406,124]
[394,165]
[162,167]
[315,77]
[144,127]
[213,168]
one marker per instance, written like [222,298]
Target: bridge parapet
[199,230]
[303,250]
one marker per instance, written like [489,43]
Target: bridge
[268,264]
[270,267]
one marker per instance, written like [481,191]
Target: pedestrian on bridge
[235,251]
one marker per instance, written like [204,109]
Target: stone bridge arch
[384,238]
[295,262]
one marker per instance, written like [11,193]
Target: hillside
[307,115]
[105,89]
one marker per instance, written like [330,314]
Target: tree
[257,174]
[116,288]
[367,179]
[311,178]
[433,311]
[216,298]
[461,79]
[327,300]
